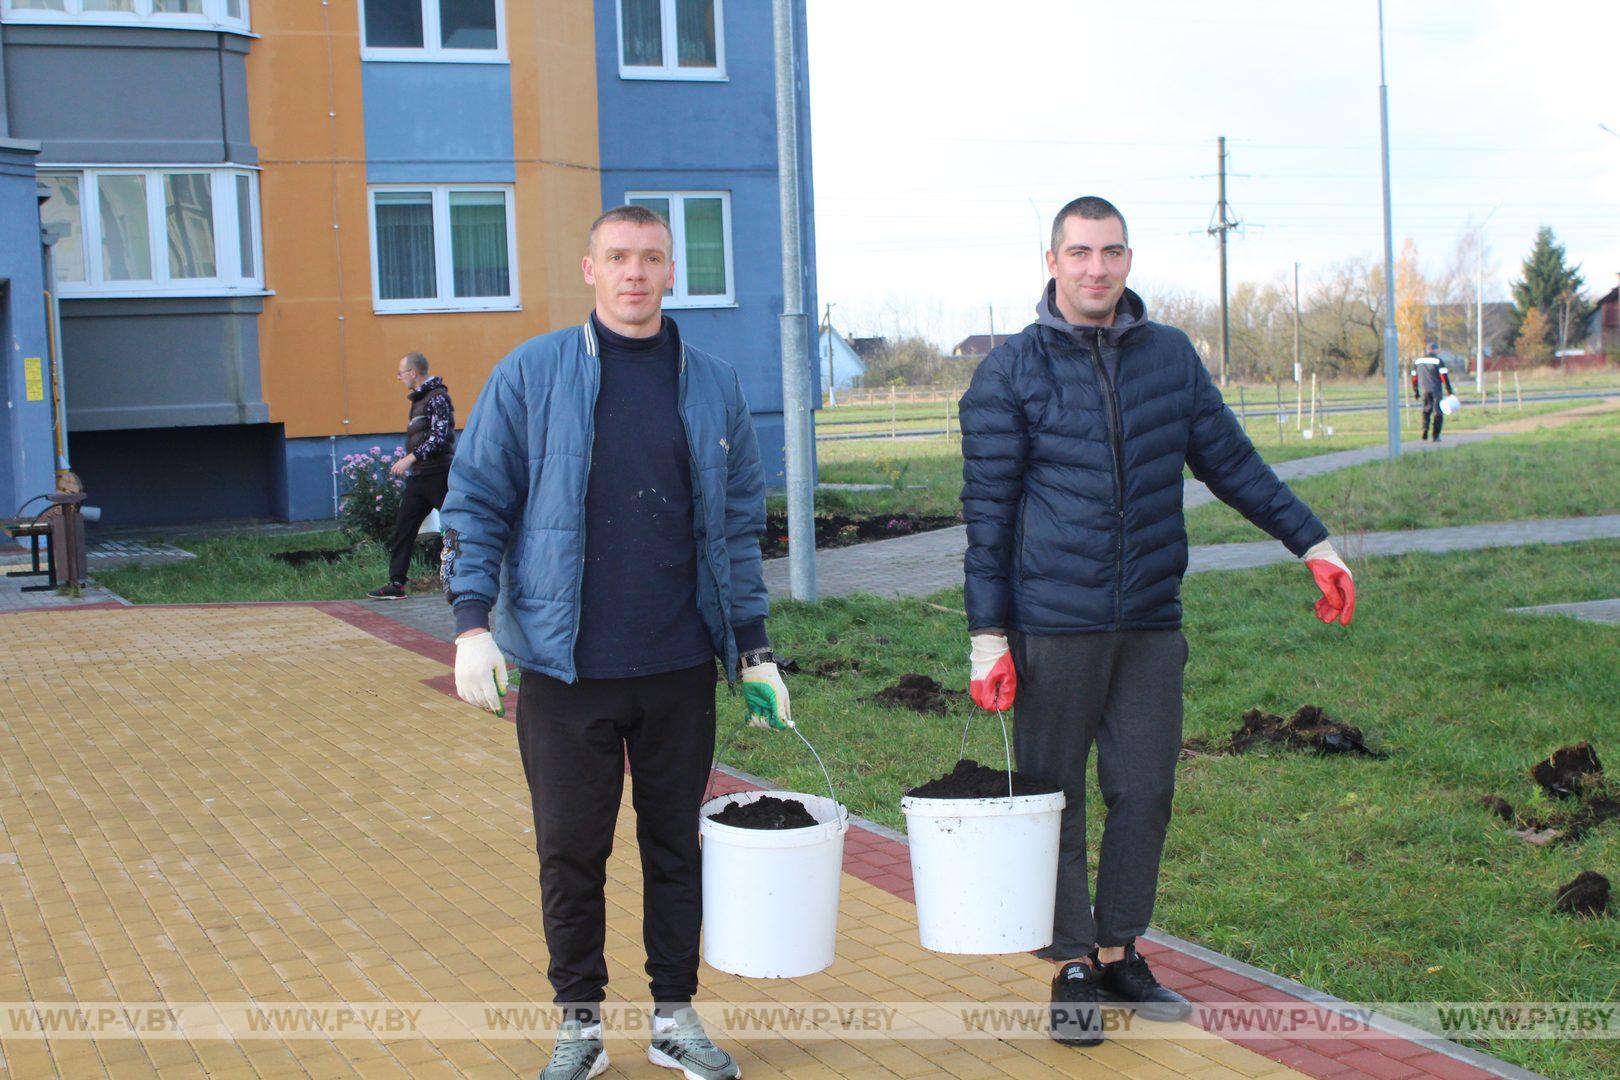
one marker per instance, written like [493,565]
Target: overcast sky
[948,132]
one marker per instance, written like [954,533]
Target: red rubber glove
[1338,603]
[993,683]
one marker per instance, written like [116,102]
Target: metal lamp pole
[1392,375]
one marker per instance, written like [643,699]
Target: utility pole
[1479,302]
[832,381]
[1392,375]
[1297,369]
[1223,225]
[992,325]
[798,440]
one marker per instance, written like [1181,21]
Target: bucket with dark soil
[983,863]
[772,867]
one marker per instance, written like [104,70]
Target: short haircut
[635,215]
[418,362]
[1092,208]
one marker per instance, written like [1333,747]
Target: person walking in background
[1074,436]
[1431,383]
[430,439]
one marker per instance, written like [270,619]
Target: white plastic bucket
[1450,404]
[770,896]
[984,871]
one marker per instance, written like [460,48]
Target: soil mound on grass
[1588,894]
[918,693]
[1562,774]
[841,530]
[970,780]
[766,812]
[1308,729]
[311,555]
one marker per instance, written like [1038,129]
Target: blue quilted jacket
[1073,443]
[516,506]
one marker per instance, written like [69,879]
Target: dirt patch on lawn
[1587,895]
[1573,777]
[1308,729]
[840,530]
[970,780]
[918,693]
[312,555]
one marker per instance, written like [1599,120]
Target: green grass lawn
[1568,471]
[239,568]
[1373,880]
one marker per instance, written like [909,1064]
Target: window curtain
[188,218]
[643,32]
[405,246]
[478,252]
[694,28]
[62,214]
[705,248]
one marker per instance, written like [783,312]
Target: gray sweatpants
[1123,692]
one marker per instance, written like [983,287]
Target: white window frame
[444,270]
[678,297]
[432,52]
[227,244]
[671,69]
[214,16]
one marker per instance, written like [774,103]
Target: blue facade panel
[695,135]
[412,137]
[27,465]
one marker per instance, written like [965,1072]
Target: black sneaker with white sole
[1075,1017]
[387,592]
[1130,981]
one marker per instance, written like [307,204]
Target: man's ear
[587,269]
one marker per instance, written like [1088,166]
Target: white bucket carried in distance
[770,896]
[984,871]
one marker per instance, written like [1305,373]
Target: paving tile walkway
[1598,611]
[282,804]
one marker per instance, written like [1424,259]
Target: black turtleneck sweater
[638,609]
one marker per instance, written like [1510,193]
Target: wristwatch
[756,657]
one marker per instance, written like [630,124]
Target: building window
[455,30]
[186,14]
[671,39]
[443,248]
[701,222]
[144,232]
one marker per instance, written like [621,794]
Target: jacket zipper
[697,490]
[590,446]
[1116,437]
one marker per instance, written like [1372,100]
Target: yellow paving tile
[241,804]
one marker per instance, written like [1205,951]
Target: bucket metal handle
[825,775]
[1006,747]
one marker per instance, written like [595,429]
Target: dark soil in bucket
[312,555]
[1308,729]
[919,693]
[970,780]
[1563,773]
[1588,894]
[840,530]
[766,812]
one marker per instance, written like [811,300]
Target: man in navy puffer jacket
[1074,435]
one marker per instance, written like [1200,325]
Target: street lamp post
[1392,373]
[1479,301]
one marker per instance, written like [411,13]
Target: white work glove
[766,696]
[481,672]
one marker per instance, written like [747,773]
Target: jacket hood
[433,382]
[1128,315]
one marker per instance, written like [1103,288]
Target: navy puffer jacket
[1073,442]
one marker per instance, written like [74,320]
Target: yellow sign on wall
[34,377]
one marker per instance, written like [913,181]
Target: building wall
[27,467]
[328,357]
[698,135]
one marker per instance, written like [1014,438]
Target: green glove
[766,696]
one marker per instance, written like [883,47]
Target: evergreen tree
[1547,285]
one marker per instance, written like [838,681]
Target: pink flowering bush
[371,495]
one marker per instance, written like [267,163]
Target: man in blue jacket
[609,479]
[1074,435]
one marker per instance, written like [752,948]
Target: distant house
[978,344]
[868,347]
[1603,325]
[841,364]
